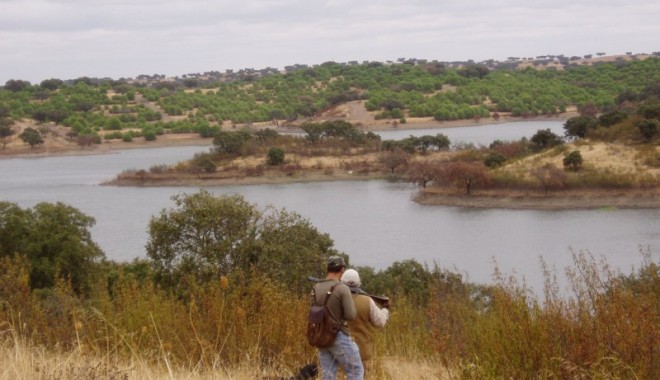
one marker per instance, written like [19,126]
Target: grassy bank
[604,326]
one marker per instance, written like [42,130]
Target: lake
[375,222]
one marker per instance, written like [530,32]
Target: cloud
[71,38]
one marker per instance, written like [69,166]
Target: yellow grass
[21,360]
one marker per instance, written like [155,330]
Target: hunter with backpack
[327,329]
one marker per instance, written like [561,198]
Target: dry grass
[597,156]
[19,360]
[605,326]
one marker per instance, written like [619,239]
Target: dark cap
[336,261]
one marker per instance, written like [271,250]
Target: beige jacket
[369,316]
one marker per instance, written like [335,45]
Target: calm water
[375,222]
[482,134]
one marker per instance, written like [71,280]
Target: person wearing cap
[344,352]
[369,317]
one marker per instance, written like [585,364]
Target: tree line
[116,109]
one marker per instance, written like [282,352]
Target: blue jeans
[344,353]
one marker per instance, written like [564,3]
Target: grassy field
[605,326]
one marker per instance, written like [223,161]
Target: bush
[648,128]
[150,135]
[579,126]
[275,156]
[208,166]
[573,160]
[494,160]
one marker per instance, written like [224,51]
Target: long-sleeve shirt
[340,304]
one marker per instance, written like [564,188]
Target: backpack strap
[327,297]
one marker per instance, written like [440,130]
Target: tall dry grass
[605,326]
[228,329]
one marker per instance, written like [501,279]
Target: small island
[543,172]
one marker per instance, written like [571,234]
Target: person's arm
[347,302]
[377,316]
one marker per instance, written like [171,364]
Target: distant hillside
[364,93]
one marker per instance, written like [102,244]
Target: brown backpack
[321,331]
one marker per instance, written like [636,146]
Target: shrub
[150,135]
[579,126]
[573,160]
[545,138]
[610,118]
[275,156]
[648,128]
[494,160]
[207,166]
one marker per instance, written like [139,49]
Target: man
[344,352]
[368,316]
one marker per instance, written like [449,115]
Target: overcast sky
[66,39]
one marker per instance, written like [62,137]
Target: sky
[68,39]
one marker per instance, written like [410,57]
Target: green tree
[276,115]
[57,115]
[648,128]
[149,135]
[573,160]
[426,142]
[14,227]
[203,236]
[474,71]
[56,240]
[545,138]
[275,156]
[5,132]
[409,278]
[31,136]
[16,85]
[230,142]
[650,110]
[494,160]
[610,118]
[51,84]
[290,249]
[579,126]
[207,236]
[315,131]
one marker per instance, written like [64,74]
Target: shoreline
[591,199]
[519,200]
[50,149]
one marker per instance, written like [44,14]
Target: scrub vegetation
[221,298]
[94,110]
